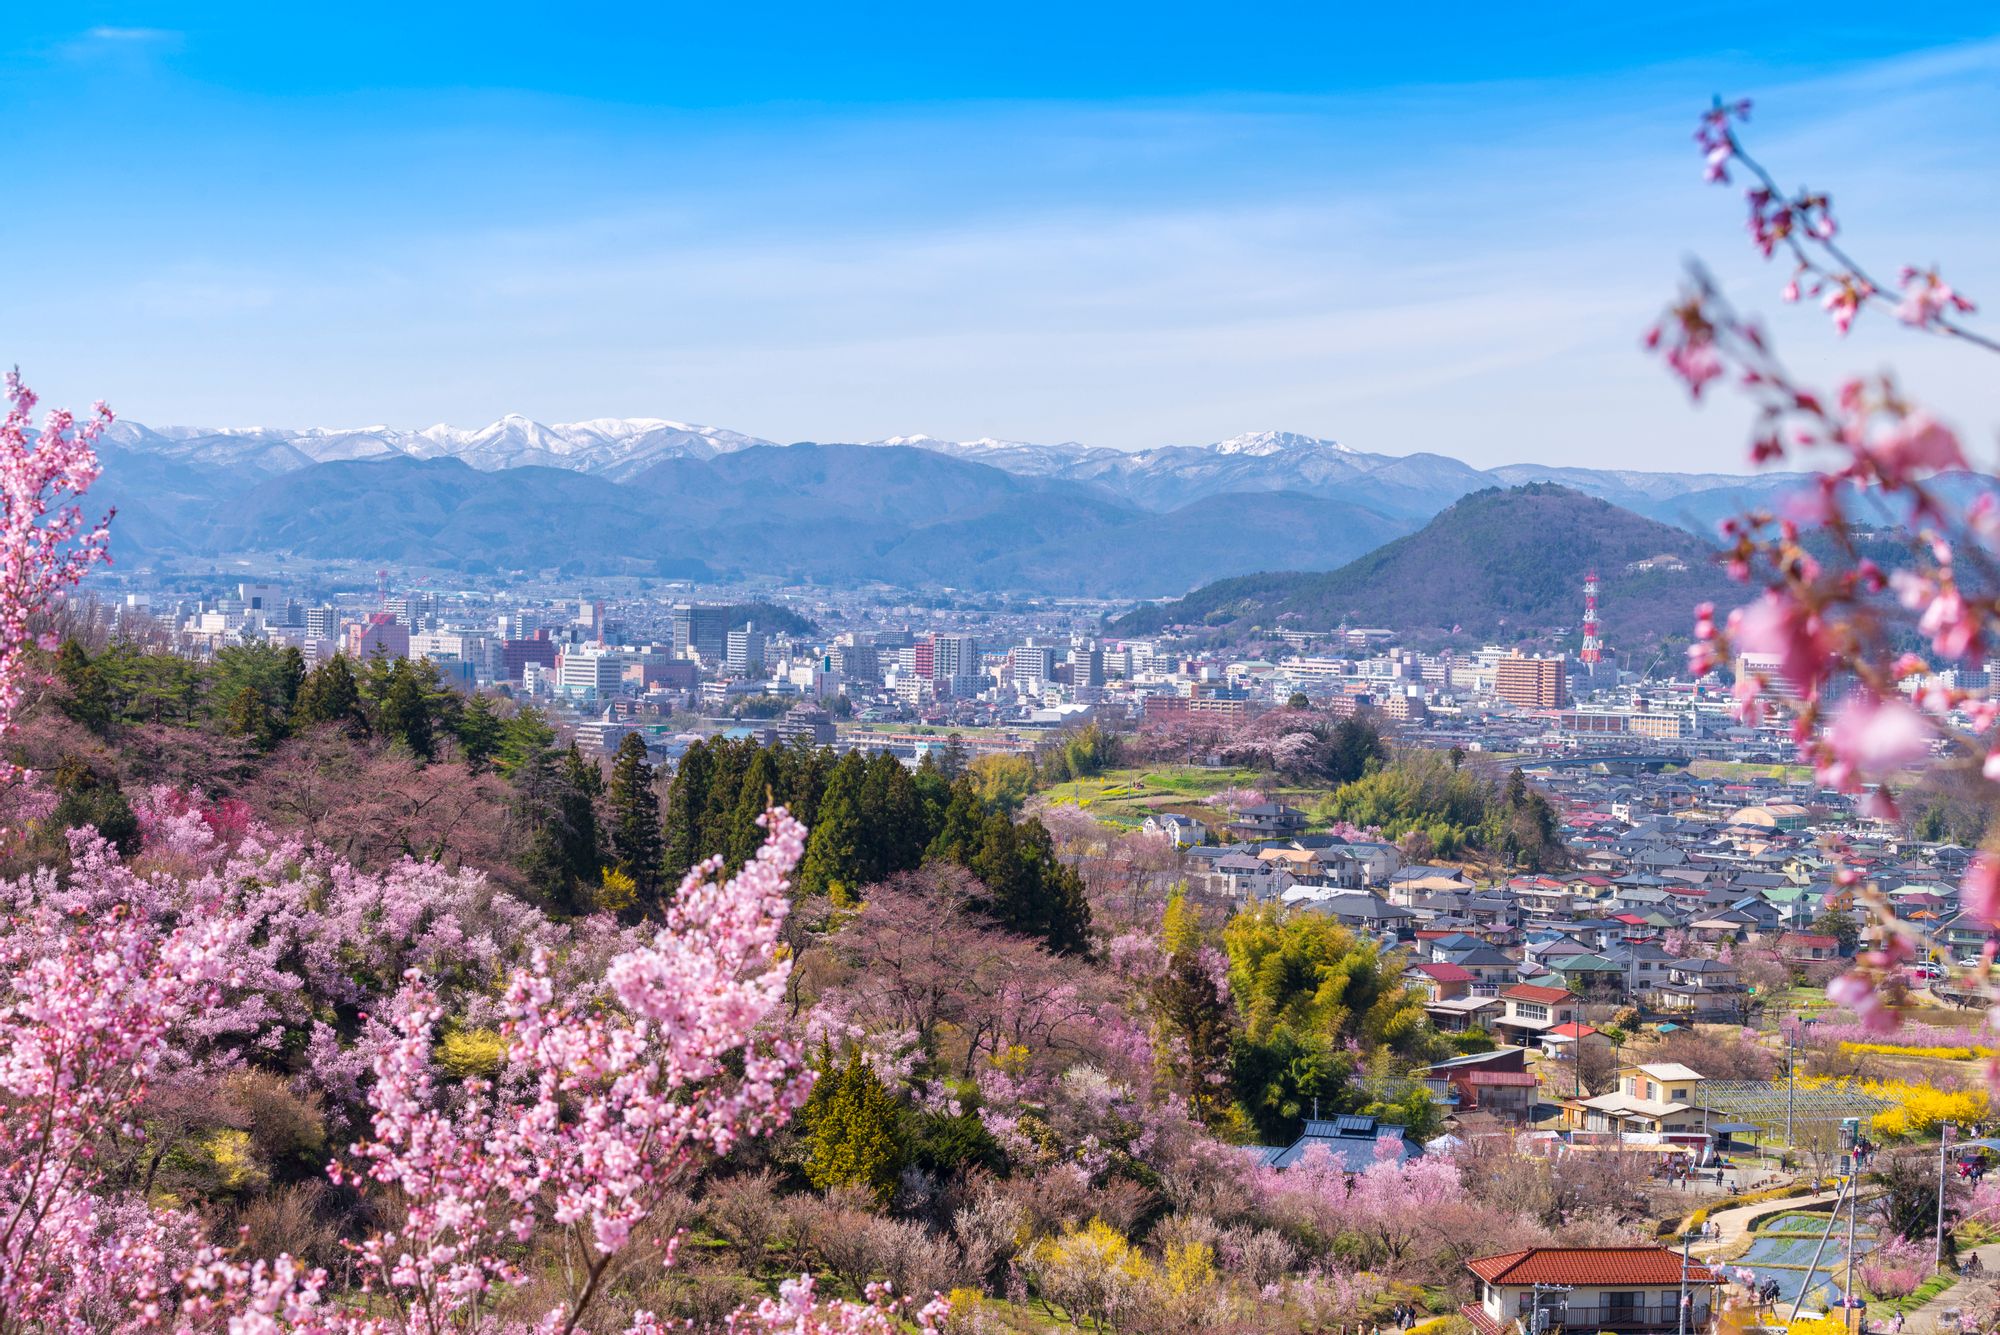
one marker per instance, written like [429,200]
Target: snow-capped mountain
[616,448]
[1163,478]
[1264,444]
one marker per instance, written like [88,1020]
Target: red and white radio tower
[1593,644]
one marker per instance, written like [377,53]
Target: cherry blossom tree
[45,544]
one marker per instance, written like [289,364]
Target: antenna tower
[1593,644]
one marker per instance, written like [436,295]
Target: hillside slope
[1498,564]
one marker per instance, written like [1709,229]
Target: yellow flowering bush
[1917,1110]
[1958,1054]
[470,1052]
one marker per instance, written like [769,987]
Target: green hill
[1503,564]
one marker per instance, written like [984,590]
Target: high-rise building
[266,598]
[923,658]
[517,655]
[955,657]
[1086,666]
[744,652]
[1532,683]
[1033,664]
[519,625]
[703,631]
[856,662]
[416,610]
[323,623]
[591,673]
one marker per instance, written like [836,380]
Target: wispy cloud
[124,45]
[145,36]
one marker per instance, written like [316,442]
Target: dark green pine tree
[833,861]
[87,696]
[582,785]
[687,797]
[478,733]
[86,797]
[1028,889]
[756,793]
[247,716]
[892,826]
[957,838]
[805,770]
[954,759]
[405,714]
[535,817]
[329,694]
[1197,1015]
[291,676]
[725,786]
[635,817]
[523,737]
[933,792]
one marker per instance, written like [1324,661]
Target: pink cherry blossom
[1792,633]
[45,545]
[1979,892]
[1872,738]
[1928,298]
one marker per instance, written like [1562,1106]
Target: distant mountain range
[1503,563]
[649,495]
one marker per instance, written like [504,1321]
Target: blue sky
[1127,225]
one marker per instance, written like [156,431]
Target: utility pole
[1791,1083]
[1685,1235]
[1944,1141]
[1847,1321]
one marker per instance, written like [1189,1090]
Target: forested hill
[1495,564]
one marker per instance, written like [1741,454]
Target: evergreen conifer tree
[635,818]
[850,1123]
[329,694]
[833,861]
[478,733]
[687,796]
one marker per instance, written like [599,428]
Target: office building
[702,632]
[744,654]
[1532,683]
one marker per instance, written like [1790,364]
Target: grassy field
[1125,797]
[1737,769]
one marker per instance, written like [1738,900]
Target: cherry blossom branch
[1802,223]
[1861,710]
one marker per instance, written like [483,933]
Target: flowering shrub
[1895,1268]
[1958,1054]
[1916,1111]
[44,544]
[1917,1037]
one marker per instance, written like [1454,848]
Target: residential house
[1652,1103]
[1355,1142]
[1531,1011]
[1625,1290]
[1496,1082]
[1181,831]
[1805,947]
[1700,987]
[1268,820]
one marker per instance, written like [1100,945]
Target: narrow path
[1735,1222]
